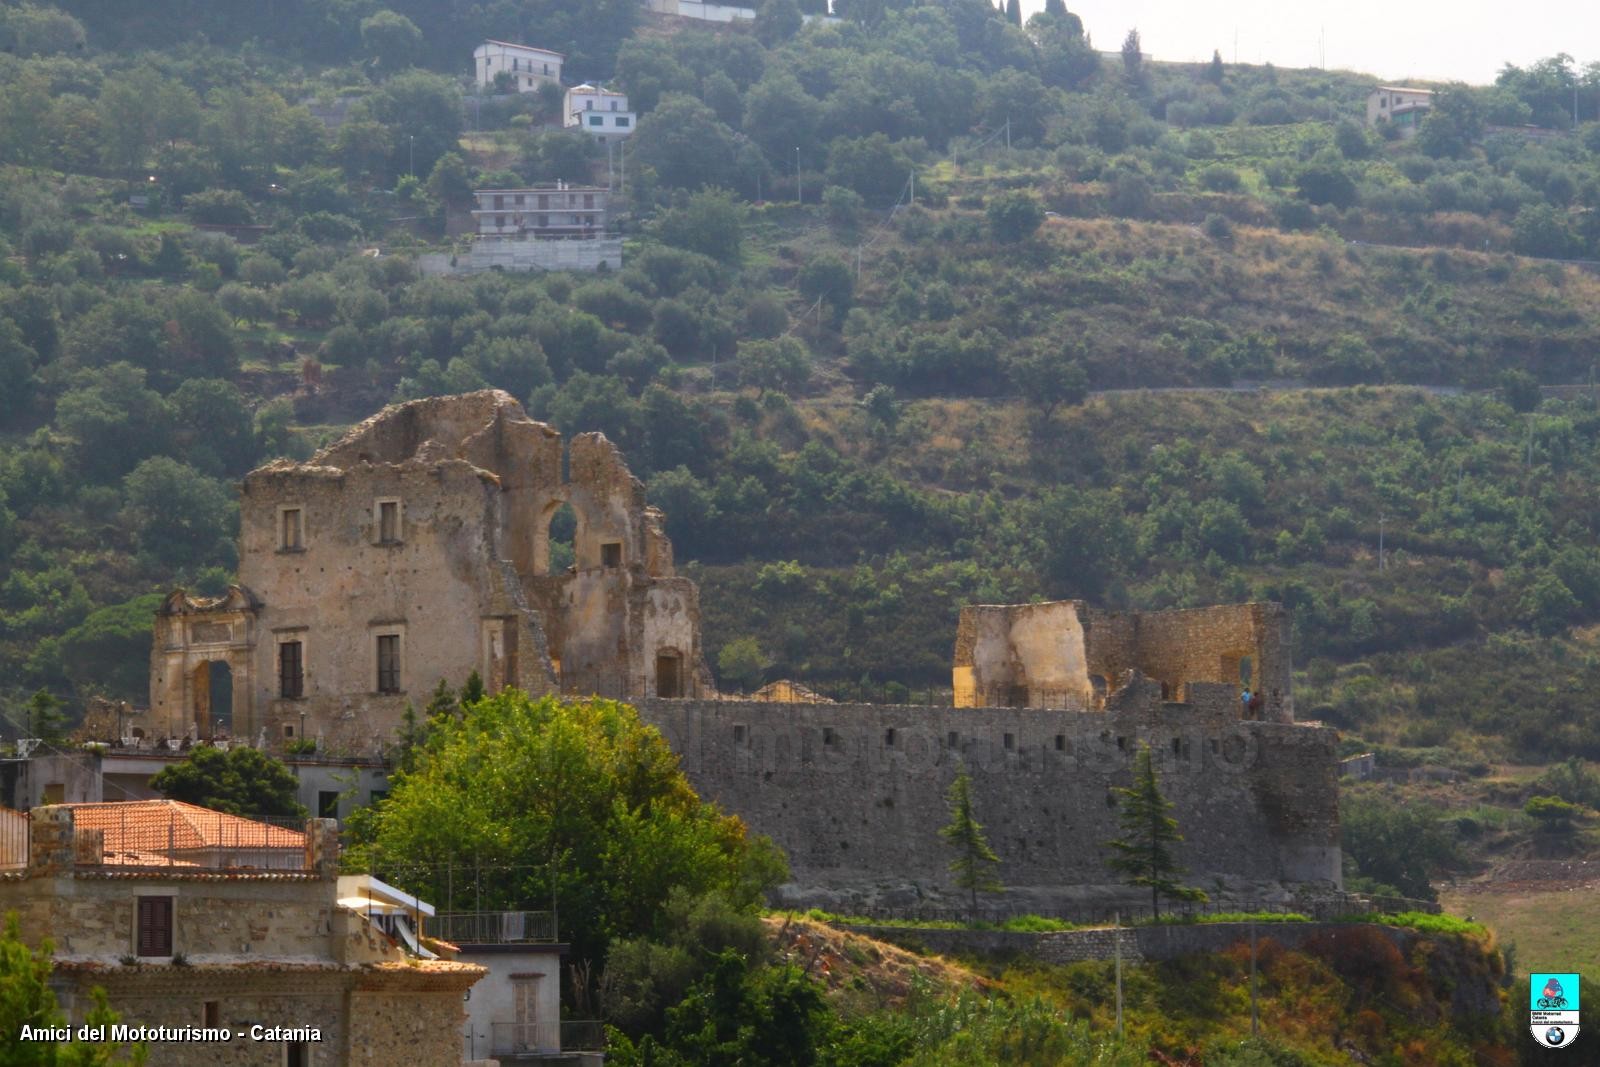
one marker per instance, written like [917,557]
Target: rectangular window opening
[388,522]
[611,554]
[327,804]
[212,1014]
[296,1054]
[291,533]
[738,734]
[952,740]
[1011,741]
[155,926]
[291,670]
[828,736]
[888,737]
[1061,742]
[388,663]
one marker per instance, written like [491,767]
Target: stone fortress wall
[855,794]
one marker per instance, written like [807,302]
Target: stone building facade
[1066,654]
[417,548]
[192,944]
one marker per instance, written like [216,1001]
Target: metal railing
[134,835]
[492,927]
[569,1035]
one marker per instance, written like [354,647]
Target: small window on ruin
[1166,691]
[952,740]
[388,522]
[1017,696]
[828,737]
[888,737]
[291,670]
[1122,743]
[137,733]
[738,734]
[291,530]
[1099,687]
[562,539]
[1011,741]
[288,731]
[1061,742]
[296,1054]
[211,1014]
[1214,746]
[611,554]
[388,663]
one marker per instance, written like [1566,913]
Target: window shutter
[155,926]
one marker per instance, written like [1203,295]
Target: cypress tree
[1143,855]
[975,861]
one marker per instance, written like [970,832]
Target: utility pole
[411,156]
[1116,944]
[1380,542]
[913,201]
[1008,133]
[1254,1016]
[799,195]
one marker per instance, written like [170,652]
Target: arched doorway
[213,699]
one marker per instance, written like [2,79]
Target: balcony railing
[492,927]
[524,1039]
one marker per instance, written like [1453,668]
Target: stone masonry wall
[855,794]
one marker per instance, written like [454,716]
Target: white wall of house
[601,113]
[494,998]
[531,67]
[1383,102]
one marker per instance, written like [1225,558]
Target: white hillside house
[602,113]
[528,67]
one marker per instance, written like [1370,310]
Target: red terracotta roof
[134,829]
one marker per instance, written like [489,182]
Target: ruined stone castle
[418,548]
[415,549]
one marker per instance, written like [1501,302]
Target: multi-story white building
[528,67]
[602,113]
[542,211]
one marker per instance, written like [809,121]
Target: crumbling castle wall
[855,794]
[1066,654]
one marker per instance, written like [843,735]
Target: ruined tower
[417,548]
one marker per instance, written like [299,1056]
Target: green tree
[1393,847]
[783,365]
[45,719]
[1133,58]
[777,21]
[574,801]
[109,651]
[29,1000]
[1014,217]
[1050,375]
[1453,123]
[686,145]
[741,662]
[1214,70]
[975,862]
[1143,854]
[829,279]
[239,781]
[709,222]
[181,514]
[393,41]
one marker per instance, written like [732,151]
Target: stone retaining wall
[1138,943]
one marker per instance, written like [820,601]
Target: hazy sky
[1465,40]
